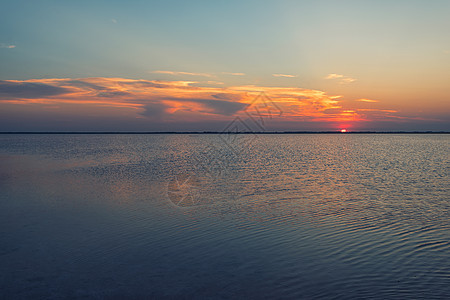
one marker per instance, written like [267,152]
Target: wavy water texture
[224,216]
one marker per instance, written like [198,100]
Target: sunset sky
[199,65]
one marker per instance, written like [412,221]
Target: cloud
[227,96]
[11,89]
[154,110]
[367,100]
[112,94]
[83,84]
[333,76]
[378,110]
[179,102]
[8,46]
[176,73]
[284,75]
[342,79]
[294,103]
[226,108]
[114,21]
[218,104]
[347,80]
[233,74]
[146,84]
[215,82]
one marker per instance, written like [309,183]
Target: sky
[205,65]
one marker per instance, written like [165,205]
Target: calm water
[224,216]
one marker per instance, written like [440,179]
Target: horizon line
[227,132]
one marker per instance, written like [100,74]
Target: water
[224,216]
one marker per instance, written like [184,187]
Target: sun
[343,130]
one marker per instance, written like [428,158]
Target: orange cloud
[284,75]
[347,80]
[183,73]
[182,101]
[380,110]
[342,79]
[333,76]
[233,74]
[367,100]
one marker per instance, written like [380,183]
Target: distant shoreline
[226,132]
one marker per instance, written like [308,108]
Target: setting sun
[343,130]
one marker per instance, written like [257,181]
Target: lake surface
[308,216]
